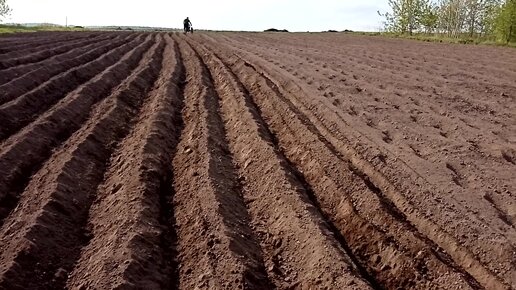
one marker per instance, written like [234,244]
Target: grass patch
[20,28]
[442,38]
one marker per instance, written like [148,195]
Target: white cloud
[301,15]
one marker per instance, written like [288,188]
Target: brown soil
[255,161]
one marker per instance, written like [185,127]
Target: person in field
[187,24]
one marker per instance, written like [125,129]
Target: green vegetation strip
[20,28]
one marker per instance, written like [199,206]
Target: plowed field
[255,161]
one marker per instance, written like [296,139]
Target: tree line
[495,19]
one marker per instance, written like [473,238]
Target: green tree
[452,17]
[406,16]
[479,16]
[487,24]
[505,23]
[429,17]
[4,9]
[474,17]
[473,13]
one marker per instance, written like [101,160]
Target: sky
[248,15]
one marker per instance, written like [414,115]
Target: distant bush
[332,30]
[275,30]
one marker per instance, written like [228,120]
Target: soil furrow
[19,38]
[387,75]
[23,153]
[43,53]
[42,238]
[127,220]
[376,80]
[217,248]
[300,250]
[234,160]
[48,57]
[482,167]
[58,41]
[467,262]
[41,78]
[393,264]
[18,113]
[389,60]
[39,43]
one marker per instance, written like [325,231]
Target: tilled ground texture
[255,161]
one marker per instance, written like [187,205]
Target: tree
[488,21]
[429,17]
[454,18]
[406,15]
[479,15]
[474,17]
[473,13]
[4,9]
[505,23]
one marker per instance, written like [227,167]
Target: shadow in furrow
[167,192]
[57,231]
[298,178]
[385,202]
[23,154]
[228,189]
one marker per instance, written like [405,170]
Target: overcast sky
[257,15]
